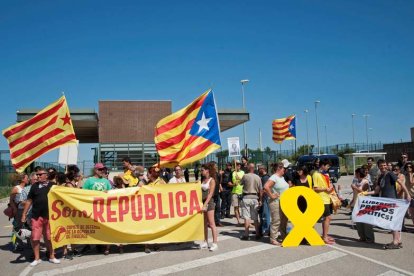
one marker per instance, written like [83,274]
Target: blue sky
[353,56]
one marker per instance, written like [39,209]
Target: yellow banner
[150,214]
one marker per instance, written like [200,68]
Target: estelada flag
[284,129]
[189,134]
[49,129]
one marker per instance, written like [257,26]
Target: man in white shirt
[178,175]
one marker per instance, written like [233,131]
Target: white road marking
[391,273]
[372,260]
[26,271]
[103,261]
[301,264]
[107,260]
[206,261]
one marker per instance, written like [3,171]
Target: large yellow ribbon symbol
[302,222]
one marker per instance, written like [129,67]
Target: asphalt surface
[234,257]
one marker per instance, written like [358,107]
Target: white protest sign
[234,146]
[68,154]
[387,213]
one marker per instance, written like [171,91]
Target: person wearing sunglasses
[38,199]
[98,182]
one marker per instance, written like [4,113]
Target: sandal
[391,246]
[328,241]
[273,242]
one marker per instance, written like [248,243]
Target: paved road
[234,257]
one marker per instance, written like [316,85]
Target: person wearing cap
[98,182]
[288,175]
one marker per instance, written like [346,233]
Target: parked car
[309,160]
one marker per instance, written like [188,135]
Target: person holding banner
[38,198]
[208,171]
[365,230]
[387,187]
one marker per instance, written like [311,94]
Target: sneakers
[35,262]
[213,247]
[204,245]
[54,261]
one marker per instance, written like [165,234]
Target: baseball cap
[286,163]
[99,166]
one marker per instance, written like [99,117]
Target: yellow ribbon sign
[150,214]
[303,222]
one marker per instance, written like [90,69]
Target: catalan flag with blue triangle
[284,129]
[189,134]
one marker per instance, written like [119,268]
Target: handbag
[9,212]
[336,202]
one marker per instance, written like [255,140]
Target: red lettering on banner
[66,212]
[180,212]
[110,214]
[149,207]
[194,203]
[161,215]
[136,207]
[171,204]
[56,210]
[98,209]
[123,207]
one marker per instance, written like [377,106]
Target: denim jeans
[265,215]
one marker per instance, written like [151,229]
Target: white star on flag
[291,127]
[203,123]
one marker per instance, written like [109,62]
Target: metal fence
[7,171]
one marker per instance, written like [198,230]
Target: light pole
[353,130]
[366,127]
[307,130]
[243,82]
[370,136]
[326,140]
[317,125]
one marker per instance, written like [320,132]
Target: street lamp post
[353,130]
[307,130]
[326,140]
[243,82]
[366,128]
[317,125]
[370,137]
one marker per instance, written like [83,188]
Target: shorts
[328,210]
[411,203]
[235,201]
[40,226]
[249,208]
[211,205]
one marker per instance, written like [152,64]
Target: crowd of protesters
[252,192]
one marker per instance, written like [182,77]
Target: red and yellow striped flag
[189,134]
[284,129]
[49,129]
